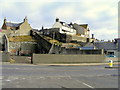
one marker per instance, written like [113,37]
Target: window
[110,53]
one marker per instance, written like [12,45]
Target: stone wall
[66,59]
[22,48]
[62,37]
[43,45]
[78,51]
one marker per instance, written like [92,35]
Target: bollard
[111,63]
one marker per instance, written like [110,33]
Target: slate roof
[82,43]
[90,45]
[106,45]
[86,48]
[13,24]
[118,40]
[79,29]
[78,26]
[66,25]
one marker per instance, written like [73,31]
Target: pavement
[52,64]
[53,76]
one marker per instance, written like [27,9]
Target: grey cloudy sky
[101,15]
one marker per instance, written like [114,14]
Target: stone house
[16,38]
[16,29]
[72,29]
[64,27]
[82,30]
[69,32]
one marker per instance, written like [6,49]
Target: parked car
[110,56]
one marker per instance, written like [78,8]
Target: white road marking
[68,75]
[81,82]
[16,78]
[23,78]
[42,78]
[86,84]
[8,80]
[1,78]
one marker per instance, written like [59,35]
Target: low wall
[21,59]
[5,56]
[114,59]
[54,58]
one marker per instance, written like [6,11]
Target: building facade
[64,27]
[72,29]
[72,32]
[16,29]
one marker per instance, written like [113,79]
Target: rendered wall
[54,58]
[5,56]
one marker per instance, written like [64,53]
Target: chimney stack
[42,27]
[4,19]
[70,23]
[57,19]
[92,36]
[25,19]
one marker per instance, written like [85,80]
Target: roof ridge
[14,22]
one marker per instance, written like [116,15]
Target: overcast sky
[100,15]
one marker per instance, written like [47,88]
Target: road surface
[41,76]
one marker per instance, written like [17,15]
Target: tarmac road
[43,76]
